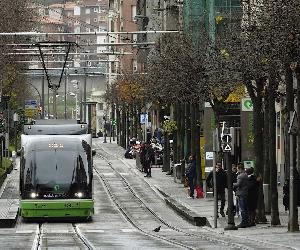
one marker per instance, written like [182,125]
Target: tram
[56,171]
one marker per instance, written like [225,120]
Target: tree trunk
[175,136]
[182,131]
[178,133]
[197,129]
[188,129]
[193,129]
[266,152]
[118,123]
[258,151]
[272,152]
[258,126]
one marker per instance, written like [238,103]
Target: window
[133,12]
[95,20]
[88,20]
[100,106]
[87,11]
[134,38]
[113,67]
[112,26]
[76,11]
[77,29]
[96,9]
[134,66]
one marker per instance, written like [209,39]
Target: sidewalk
[200,211]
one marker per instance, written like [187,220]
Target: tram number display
[70,205]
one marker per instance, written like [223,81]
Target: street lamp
[76,103]
[78,90]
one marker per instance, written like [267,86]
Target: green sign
[247,104]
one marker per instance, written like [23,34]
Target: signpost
[31,108]
[144,120]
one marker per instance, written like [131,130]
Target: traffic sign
[227,148]
[144,118]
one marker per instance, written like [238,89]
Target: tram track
[211,236]
[131,221]
[79,239]
[155,215]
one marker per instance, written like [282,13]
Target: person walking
[148,159]
[190,173]
[221,185]
[252,195]
[242,193]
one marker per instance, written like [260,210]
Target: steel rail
[37,242]
[83,239]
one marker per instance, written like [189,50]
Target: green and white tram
[56,172]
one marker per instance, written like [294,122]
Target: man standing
[242,193]
[221,185]
[149,158]
[191,174]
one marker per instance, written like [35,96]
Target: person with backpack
[148,159]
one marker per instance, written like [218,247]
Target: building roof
[48,20]
[67,6]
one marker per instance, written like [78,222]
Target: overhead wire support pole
[64,66]
[44,66]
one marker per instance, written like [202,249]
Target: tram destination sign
[31,104]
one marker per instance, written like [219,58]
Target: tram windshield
[56,173]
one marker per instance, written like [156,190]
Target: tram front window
[54,174]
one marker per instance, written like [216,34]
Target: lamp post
[16,119]
[104,118]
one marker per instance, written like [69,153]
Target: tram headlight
[34,195]
[79,194]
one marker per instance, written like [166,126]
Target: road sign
[227,148]
[31,104]
[144,118]
[247,104]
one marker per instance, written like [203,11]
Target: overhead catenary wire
[96,33]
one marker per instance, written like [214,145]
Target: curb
[185,212]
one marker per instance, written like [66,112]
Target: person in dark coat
[142,156]
[242,193]
[252,195]
[190,173]
[148,159]
[221,185]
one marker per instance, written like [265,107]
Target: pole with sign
[227,149]
[144,120]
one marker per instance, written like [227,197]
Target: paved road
[127,209]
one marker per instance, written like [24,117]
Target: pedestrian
[234,180]
[148,159]
[252,195]
[221,185]
[242,194]
[190,173]
[142,156]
